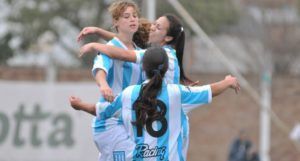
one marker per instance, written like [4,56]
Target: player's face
[128,21]
[159,30]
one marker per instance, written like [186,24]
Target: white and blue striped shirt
[178,100]
[172,75]
[119,75]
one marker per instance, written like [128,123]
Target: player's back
[157,139]
[161,138]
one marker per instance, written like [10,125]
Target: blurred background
[256,40]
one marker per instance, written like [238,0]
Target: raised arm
[229,82]
[104,34]
[194,97]
[111,51]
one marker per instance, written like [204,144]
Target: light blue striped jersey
[172,76]
[119,75]
[163,139]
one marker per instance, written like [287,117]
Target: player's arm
[104,34]
[78,104]
[194,97]
[105,90]
[107,110]
[111,51]
[229,82]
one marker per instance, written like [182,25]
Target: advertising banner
[37,122]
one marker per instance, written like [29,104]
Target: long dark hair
[155,65]
[177,32]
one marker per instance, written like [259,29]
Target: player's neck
[126,40]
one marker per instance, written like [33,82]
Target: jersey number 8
[159,119]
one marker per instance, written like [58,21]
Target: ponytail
[155,64]
[177,32]
[146,104]
[179,47]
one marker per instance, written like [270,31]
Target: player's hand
[233,83]
[107,93]
[75,102]
[86,49]
[86,31]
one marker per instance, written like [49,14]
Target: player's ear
[115,24]
[168,38]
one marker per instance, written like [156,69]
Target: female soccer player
[167,32]
[154,112]
[112,76]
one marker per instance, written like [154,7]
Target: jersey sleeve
[139,56]
[102,61]
[193,97]
[105,110]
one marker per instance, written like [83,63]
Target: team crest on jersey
[119,155]
[144,151]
